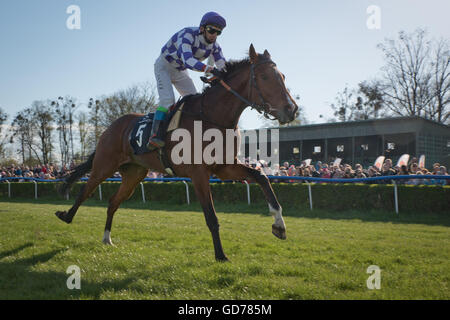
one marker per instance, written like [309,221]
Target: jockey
[185,50]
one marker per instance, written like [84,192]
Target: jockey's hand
[215,72]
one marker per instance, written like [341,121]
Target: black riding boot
[156,136]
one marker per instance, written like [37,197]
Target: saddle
[140,134]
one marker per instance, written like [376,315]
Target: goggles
[211,30]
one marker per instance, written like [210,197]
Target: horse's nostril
[291,108]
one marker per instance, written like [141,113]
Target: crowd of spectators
[346,171]
[317,170]
[47,172]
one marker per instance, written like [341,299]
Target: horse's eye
[264,77]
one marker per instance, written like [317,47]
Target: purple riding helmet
[213,18]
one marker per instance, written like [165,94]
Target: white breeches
[166,75]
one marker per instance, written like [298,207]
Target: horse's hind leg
[100,173]
[131,175]
[242,172]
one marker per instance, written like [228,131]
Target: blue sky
[319,45]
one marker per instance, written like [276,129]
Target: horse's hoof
[63,216]
[279,232]
[108,243]
[222,259]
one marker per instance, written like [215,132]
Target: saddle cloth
[141,132]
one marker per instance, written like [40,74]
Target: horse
[218,107]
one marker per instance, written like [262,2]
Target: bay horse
[220,107]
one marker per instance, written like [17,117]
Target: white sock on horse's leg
[277,214]
[107,237]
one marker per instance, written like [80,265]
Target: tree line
[414,81]
[59,130]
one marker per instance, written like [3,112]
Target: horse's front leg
[242,172]
[202,189]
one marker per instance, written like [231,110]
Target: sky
[321,46]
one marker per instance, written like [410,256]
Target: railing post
[100,191]
[310,195]
[187,192]
[248,192]
[143,193]
[395,196]
[35,190]
[9,188]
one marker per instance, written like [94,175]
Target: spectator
[314,172]
[359,174]
[442,172]
[318,165]
[417,181]
[386,170]
[403,171]
[306,172]
[338,174]
[388,162]
[276,169]
[325,173]
[414,168]
[373,172]
[436,168]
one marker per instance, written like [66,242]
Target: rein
[264,108]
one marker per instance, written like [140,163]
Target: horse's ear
[266,54]
[252,53]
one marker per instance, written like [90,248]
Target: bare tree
[42,117]
[94,120]
[407,74]
[139,98]
[24,128]
[344,107]
[3,118]
[83,133]
[362,103]
[64,117]
[438,109]
[370,100]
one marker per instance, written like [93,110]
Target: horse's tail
[76,174]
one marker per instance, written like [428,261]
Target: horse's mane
[234,65]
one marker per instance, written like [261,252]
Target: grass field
[166,252]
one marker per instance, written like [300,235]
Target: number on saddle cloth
[141,134]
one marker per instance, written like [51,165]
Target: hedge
[335,197]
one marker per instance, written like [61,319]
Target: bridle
[264,107]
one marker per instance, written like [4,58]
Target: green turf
[165,252]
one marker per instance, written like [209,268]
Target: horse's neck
[223,107]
